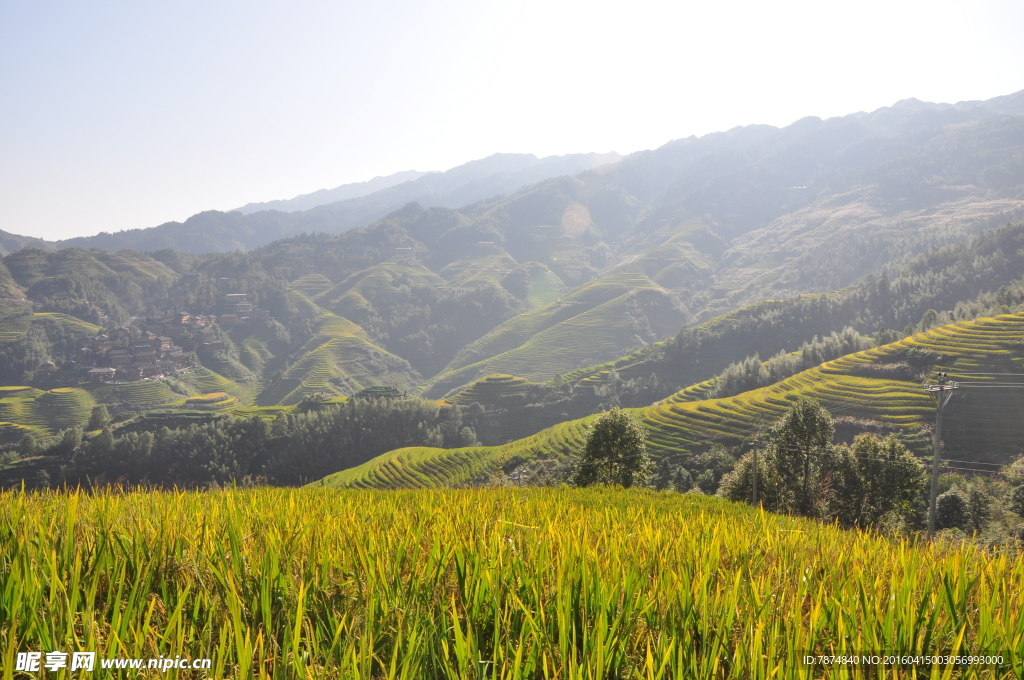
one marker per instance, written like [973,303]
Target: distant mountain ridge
[907,159]
[216,231]
[463,184]
[340,193]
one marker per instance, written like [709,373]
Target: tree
[952,510]
[1016,499]
[681,480]
[615,452]
[663,477]
[797,444]
[99,419]
[738,485]
[870,479]
[28,446]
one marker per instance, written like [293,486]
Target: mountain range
[333,211]
[625,282]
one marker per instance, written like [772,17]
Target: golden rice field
[485,583]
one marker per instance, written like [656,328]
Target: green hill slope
[338,359]
[876,387]
[15,322]
[596,321]
[378,285]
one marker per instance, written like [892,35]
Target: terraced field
[420,467]
[303,303]
[489,390]
[204,380]
[625,365]
[69,322]
[337,360]
[261,412]
[15,408]
[224,365]
[214,401]
[534,284]
[485,269]
[980,424]
[26,409]
[143,394]
[65,406]
[544,287]
[253,352]
[414,467]
[586,326]
[669,258]
[311,284]
[46,413]
[14,322]
[18,391]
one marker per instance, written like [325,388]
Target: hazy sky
[116,115]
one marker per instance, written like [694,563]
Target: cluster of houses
[237,309]
[147,356]
[157,350]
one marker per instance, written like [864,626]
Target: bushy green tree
[953,510]
[1017,499]
[28,446]
[738,485]
[615,452]
[797,445]
[681,480]
[99,418]
[870,479]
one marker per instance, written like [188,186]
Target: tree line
[291,450]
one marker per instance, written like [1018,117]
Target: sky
[118,115]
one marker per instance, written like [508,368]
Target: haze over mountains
[499,173]
[902,158]
[340,193]
[334,210]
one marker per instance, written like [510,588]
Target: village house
[119,357]
[105,374]
[128,373]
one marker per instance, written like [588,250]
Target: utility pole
[940,390]
[755,476]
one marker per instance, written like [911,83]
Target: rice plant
[486,583]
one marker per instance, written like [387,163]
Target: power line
[963,469]
[968,462]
